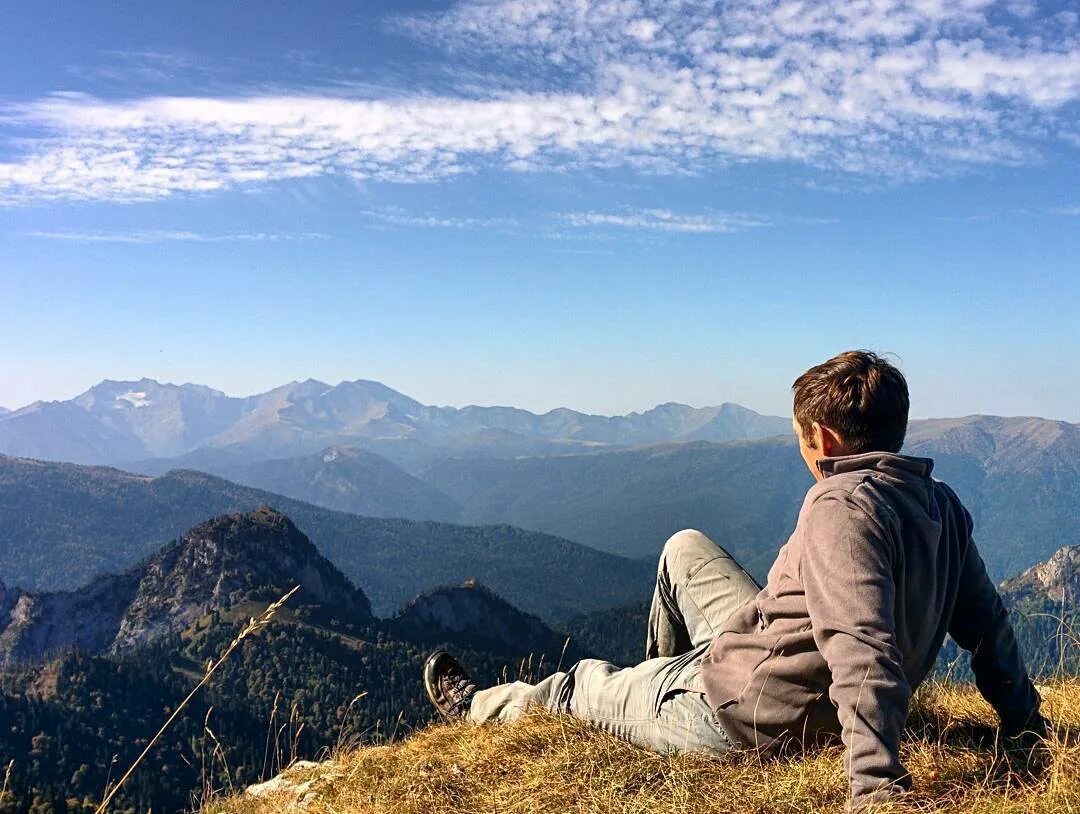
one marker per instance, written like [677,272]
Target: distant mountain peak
[118,422]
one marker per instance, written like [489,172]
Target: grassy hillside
[554,764]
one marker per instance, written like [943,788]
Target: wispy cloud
[891,88]
[143,67]
[397,217]
[167,236]
[664,220]
[585,251]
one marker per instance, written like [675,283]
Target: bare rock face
[213,566]
[296,788]
[1055,580]
[219,562]
[39,625]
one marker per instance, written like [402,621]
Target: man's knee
[687,547]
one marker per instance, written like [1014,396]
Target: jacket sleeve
[847,573]
[980,624]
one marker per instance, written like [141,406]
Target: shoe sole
[429,681]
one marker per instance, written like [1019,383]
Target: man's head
[855,402]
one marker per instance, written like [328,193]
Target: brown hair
[860,396]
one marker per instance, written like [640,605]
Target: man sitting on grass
[880,567]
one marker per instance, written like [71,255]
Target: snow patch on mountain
[135,399]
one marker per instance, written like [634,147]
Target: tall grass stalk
[254,625]
[7,780]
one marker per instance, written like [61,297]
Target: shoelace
[463,687]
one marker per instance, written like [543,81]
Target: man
[880,567]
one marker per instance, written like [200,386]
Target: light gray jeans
[659,704]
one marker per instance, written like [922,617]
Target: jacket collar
[888,462]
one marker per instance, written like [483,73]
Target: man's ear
[828,441]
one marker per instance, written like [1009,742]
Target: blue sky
[601,205]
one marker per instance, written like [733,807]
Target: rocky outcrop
[220,562]
[296,788]
[40,625]
[1056,580]
[213,566]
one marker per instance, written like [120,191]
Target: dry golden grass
[548,763]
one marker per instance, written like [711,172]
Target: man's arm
[846,570]
[980,624]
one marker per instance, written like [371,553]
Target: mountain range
[126,421]
[65,523]
[249,557]
[618,484]
[1019,477]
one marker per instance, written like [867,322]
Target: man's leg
[698,586]
[659,704]
[646,705]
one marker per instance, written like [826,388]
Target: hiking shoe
[448,686]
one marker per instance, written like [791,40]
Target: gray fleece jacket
[880,567]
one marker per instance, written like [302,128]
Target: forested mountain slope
[1019,477]
[66,523]
[323,672]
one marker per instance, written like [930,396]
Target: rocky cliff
[213,566]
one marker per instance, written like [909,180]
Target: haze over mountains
[65,523]
[1019,477]
[348,479]
[619,484]
[122,422]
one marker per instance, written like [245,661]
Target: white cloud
[664,220]
[396,217]
[895,88]
[166,236]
